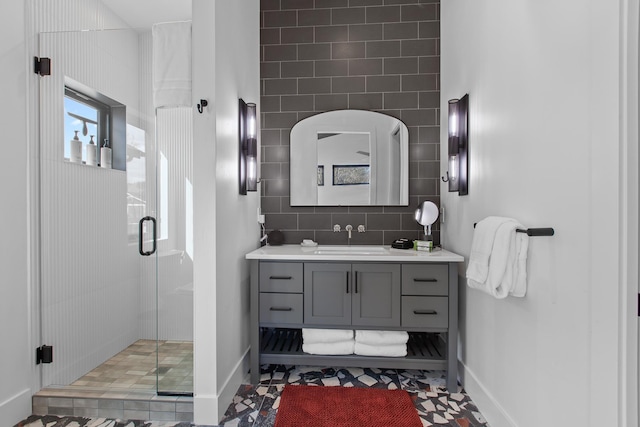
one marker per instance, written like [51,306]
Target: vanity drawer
[280,308]
[425,279]
[281,277]
[425,312]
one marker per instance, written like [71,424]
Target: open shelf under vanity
[425,350]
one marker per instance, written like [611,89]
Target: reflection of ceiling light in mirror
[142,14]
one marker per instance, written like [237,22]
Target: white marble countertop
[350,253]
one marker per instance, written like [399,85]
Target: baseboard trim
[233,382]
[209,409]
[16,408]
[489,407]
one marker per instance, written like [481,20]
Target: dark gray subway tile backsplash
[348,15]
[321,55]
[383,14]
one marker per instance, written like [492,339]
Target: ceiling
[144,13]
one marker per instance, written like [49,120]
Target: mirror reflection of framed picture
[351,174]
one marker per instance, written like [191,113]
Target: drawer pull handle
[280,309]
[417,279]
[425,312]
[280,277]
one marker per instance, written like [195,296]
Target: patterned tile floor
[134,368]
[256,406]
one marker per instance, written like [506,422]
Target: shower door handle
[141,239]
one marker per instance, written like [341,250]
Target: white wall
[237,75]
[15,369]
[544,84]
[226,67]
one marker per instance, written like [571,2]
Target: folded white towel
[316,336]
[397,350]
[515,278]
[382,337]
[498,259]
[334,348]
[172,64]
[481,247]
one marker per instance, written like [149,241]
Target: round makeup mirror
[425,215]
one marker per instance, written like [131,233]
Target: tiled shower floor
[124,387]
[134,368]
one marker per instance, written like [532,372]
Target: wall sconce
[248,165]
[458,173]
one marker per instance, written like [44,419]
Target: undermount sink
[351,250]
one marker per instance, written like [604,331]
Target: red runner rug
[319,406]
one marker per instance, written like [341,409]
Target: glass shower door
[174,278]
[90,274]
[110,313]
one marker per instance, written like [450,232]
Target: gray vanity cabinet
[294,288]
[337,294]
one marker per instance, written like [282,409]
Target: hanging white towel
[334,348]
[382,337]
[318,336]
[498,259]
[397,350]
[172,64]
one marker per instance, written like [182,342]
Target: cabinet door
[376,295]
[327,297]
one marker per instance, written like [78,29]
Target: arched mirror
[349,158]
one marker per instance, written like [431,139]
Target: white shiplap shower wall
[72,15]
[90,271]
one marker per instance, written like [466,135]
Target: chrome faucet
[349,229]
[337,228]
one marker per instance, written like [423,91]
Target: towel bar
[534,232]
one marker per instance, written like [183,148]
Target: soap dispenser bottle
[91,152]
[75,155]
[105,155]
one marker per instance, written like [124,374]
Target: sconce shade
[252,164]
[248,158]
[458,125]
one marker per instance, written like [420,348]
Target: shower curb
[120,404]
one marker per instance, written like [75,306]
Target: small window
[91,116]
[85,116]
